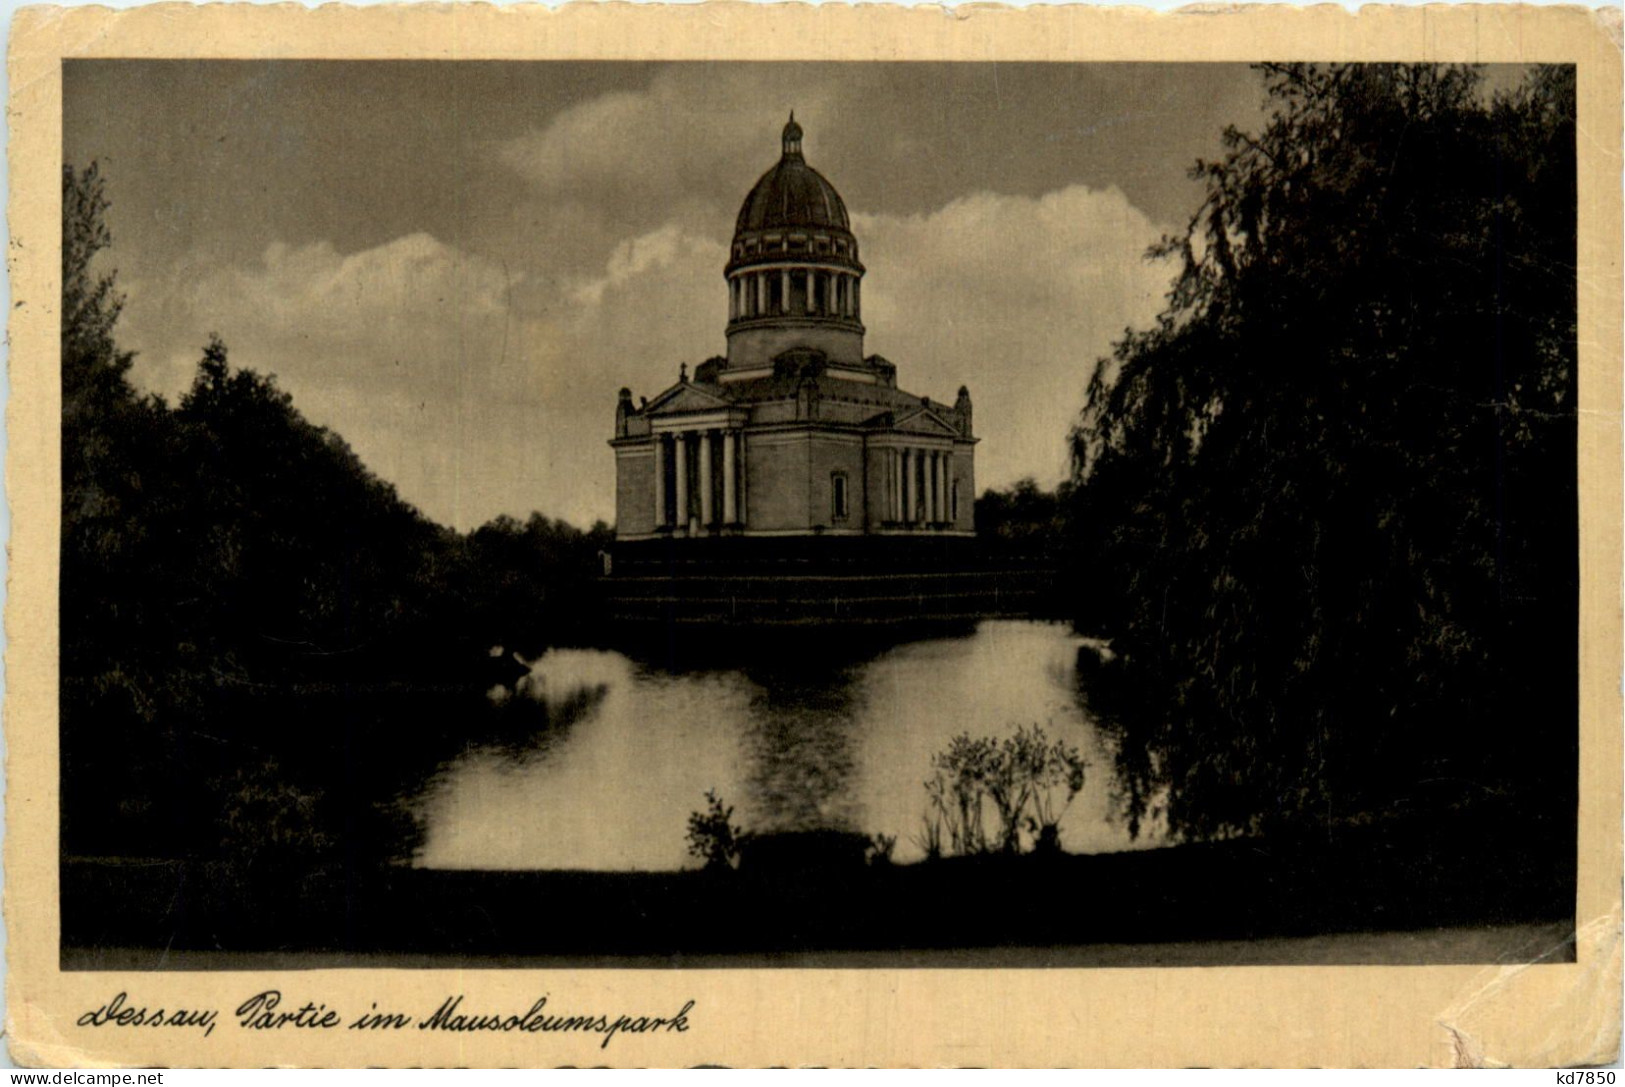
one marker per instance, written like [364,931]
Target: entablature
[723,419]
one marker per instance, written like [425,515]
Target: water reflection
[792,745]
[799,747]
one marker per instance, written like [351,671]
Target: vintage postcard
[814,535]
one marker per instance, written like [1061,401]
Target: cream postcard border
[1538,1015]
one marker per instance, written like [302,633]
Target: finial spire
[792,136]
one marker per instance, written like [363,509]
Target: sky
[456,265]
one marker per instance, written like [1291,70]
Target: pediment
[686,397]
[925,421]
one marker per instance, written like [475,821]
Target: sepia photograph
[813,536]
[738,514]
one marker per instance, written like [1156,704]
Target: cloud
[658,250]
[413,352]
[414,310]
[684,150]
[403,348]
[692,134]
[1015,297]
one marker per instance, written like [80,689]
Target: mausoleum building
[794,432]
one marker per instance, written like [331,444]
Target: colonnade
[922,486]
[675,506]
[827,293]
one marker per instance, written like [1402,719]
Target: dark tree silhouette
[1327,504]
[1022,520]
[256,631]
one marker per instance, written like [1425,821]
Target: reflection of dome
[792,194]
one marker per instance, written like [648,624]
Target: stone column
[897,485]
[705,479]
[920,480]
[908,487]
[744,478]
[761,293]
[660,481]
[902,488]
[812,291]
[679,517]
[928,486]
[730,466]
[948,487]
[932,499]
[889,514]
[932,489]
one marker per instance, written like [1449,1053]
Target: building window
[837,496]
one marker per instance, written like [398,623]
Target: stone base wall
[757,347]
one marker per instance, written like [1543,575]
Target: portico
[698,474]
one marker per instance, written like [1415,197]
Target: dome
[792,194]
[793,272]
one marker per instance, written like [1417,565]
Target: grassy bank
[1484,868]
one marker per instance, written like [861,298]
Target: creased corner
[33,1041]
[1612,21]
[1542,1013]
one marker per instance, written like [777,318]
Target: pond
[790,745]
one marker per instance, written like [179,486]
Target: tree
[117,455]
[1023,520]
[93,368]
[246,608]
[1327,502]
